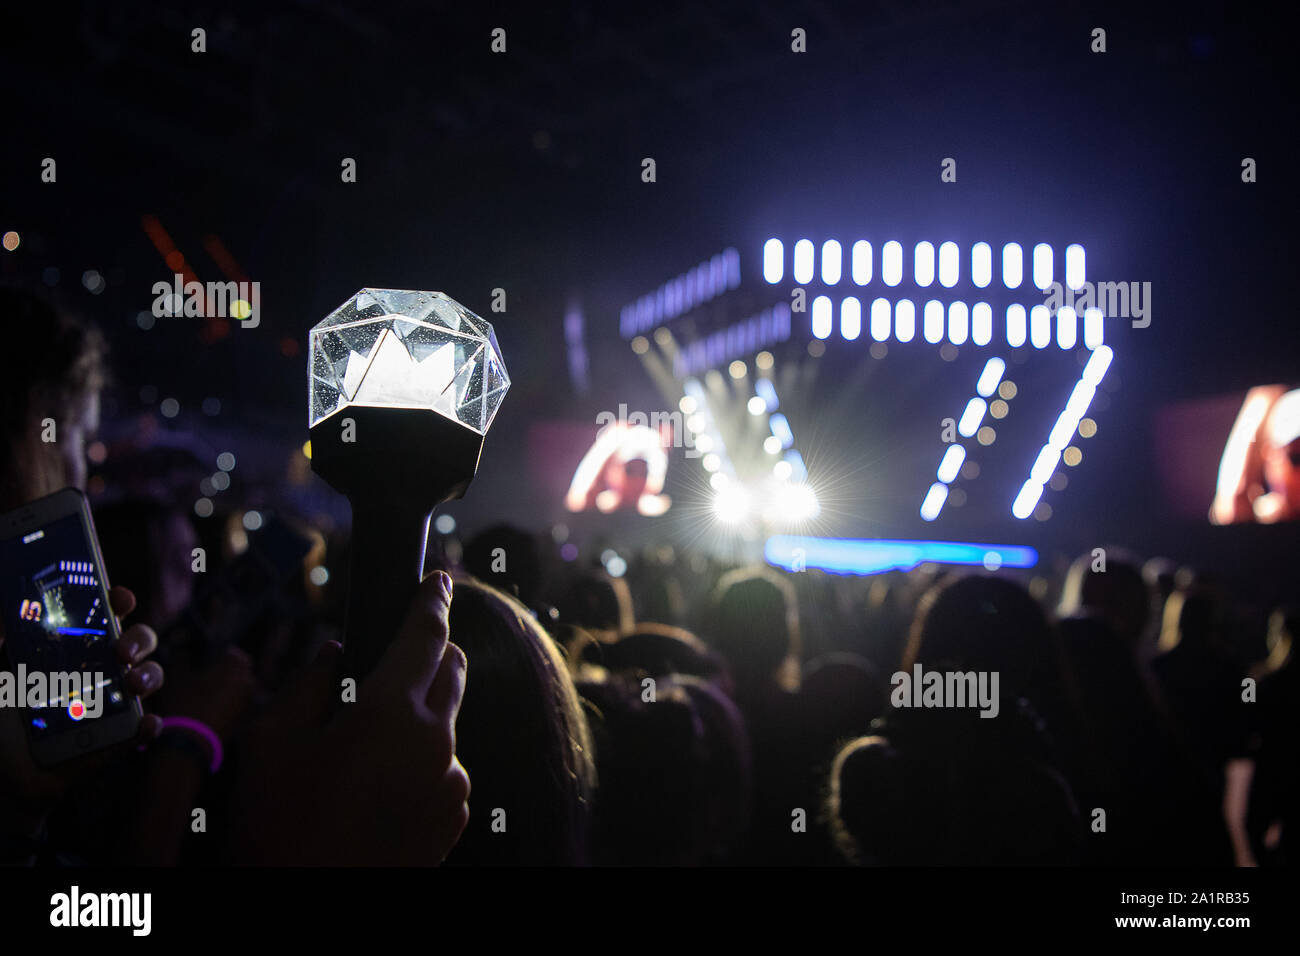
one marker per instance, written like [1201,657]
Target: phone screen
[57,624]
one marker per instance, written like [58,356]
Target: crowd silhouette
[539,711]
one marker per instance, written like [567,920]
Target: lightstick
[403,387]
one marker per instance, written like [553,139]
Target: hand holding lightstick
[402,389]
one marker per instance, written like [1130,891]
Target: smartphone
[60,632]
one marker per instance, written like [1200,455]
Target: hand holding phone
[57,615]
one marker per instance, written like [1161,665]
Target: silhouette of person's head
[53,368]
[674,770]
[598,602]
[984,623]
[521,735]
[508,558]
[656,650]
[1116,592]
[1193,619]
[754,624]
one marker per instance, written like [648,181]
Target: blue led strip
[868,556]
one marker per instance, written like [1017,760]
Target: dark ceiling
[521,170]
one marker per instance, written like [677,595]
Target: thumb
[411,662]
[448,688]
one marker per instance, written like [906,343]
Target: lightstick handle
[388,542]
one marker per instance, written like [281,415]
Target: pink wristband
[204,731]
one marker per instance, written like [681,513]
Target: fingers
[452,808]
[145,679]
[410,663]
[448,688]
[137,643]
[149,728]
[122,601]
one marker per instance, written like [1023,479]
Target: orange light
[224,260]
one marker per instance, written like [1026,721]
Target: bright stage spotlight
[981,264]
[891,266]
[850,318]
[948,268]
[971,417]
[1095,370]
[1092,332]
[1043,266]
[932,321]
[773,261]
[1040,326]
[803,261]
[793,503]
[731,503]
[862,262]
[951,463]
[822,322]
[1024,504]
[1017,325]
[958,323]
[1013,265]
[934,500]
[831,262]
[923,259]
[1062,432]
[880,319]
[990,377]
[981,317]
[1067,327]
[1074,265]
[905,320]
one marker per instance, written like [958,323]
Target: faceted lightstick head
[401,349]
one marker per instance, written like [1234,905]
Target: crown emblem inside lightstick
[401,349]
